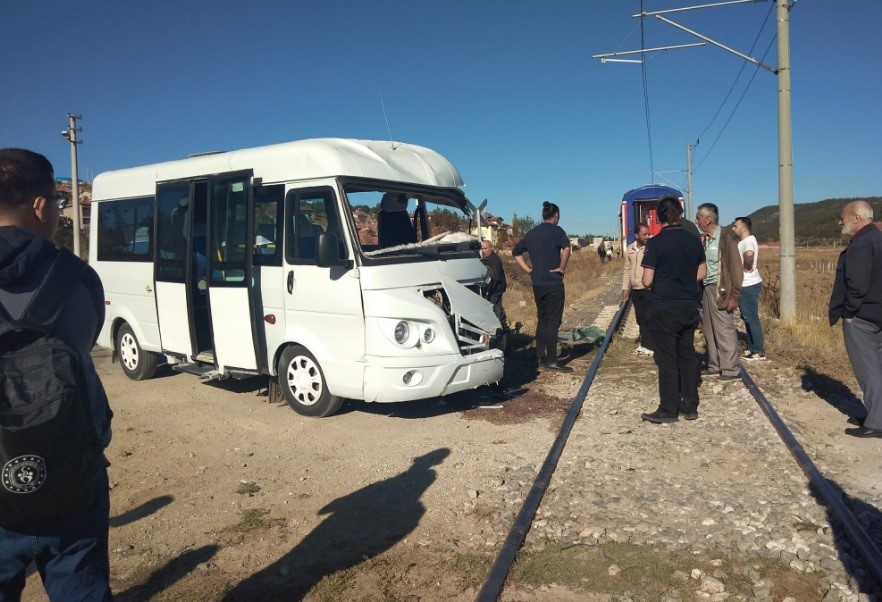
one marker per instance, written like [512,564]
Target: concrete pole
[71,135]
[785,169]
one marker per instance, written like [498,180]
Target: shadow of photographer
[359,526]
[860,578]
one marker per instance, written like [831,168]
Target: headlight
[402,333]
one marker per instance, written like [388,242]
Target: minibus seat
[393,224]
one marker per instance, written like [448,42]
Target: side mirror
[328,253]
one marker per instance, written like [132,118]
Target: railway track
[839,512]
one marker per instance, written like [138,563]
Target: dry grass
[579,280]
[809,342]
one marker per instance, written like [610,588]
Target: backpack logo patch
[24,474]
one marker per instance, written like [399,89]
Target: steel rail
[856,535]
[502,565]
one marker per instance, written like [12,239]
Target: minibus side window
[125,230]
[268,225]
[227,232]
[310,213]
[172,203]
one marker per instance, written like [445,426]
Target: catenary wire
[735,108]
[646,91]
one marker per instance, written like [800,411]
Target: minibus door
[230,295]
[173,273]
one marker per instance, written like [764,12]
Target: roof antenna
[383,106]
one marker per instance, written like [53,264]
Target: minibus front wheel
[303,384]
[136,363]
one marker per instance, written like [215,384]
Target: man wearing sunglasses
[44,285]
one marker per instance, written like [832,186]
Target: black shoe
[855,421]
[864,432]
[690,415]
[725,377]
[557,367]
[708,374]
[660,416]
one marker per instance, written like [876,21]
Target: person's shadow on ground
[869,518]
[833,391]
[360,525]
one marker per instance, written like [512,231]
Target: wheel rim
[128,351]
[305,380]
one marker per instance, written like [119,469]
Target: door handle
[148,288]
[290,281]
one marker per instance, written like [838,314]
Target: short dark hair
[24,175]
[746,221]
[549,210]
[711,210]
[669,210]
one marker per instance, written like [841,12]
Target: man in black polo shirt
[673,264]
[549,250]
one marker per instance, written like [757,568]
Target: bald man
[857,300]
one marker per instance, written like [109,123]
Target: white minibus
[270,261]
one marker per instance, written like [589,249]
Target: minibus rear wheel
[136,363]
[303,384]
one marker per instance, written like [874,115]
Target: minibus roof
[291,161]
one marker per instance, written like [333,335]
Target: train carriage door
[230,240]
[172,271]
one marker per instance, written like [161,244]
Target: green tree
[444,220]
[521,225]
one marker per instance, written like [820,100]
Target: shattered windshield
[397,221]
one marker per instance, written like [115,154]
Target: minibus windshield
[401,221]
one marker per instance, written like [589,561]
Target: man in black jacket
[857,299]
[496,284]
[71,554]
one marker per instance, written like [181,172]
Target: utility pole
[786,231]
[71,134]
[786,220]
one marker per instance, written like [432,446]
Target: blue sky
[505,89]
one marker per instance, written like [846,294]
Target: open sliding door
[230,244]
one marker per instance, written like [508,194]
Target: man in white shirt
[632,286]
[749,302]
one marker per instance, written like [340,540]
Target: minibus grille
[471,339]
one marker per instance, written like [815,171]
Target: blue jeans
[749,308]
[72,558]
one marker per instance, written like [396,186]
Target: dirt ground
[218,494]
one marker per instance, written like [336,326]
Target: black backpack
[48,444]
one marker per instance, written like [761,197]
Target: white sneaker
[641,350]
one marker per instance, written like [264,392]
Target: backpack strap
[50,298]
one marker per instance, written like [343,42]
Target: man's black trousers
[549,311]
[673,333]
[642,300]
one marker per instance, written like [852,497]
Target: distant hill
[815,222]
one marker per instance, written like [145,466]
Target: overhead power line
[734,109]
[646,94]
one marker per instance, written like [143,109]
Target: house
[491,227]
[65,187]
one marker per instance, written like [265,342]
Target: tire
[303,384]
[135,362]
